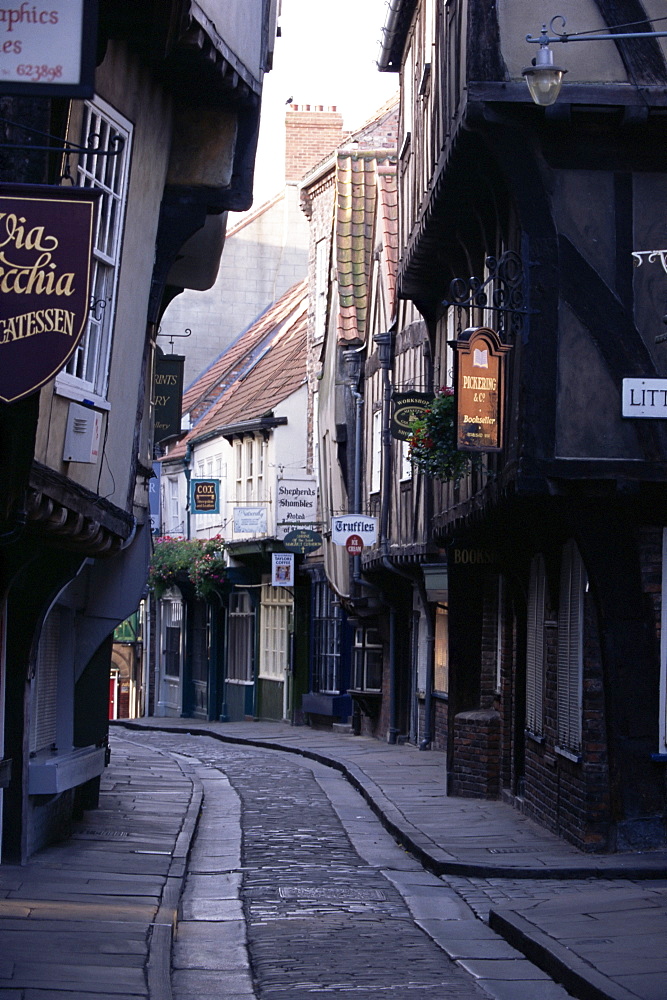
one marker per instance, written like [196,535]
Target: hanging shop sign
[167,395]
[296,504]
[345,525]
[48,48]
[645,397]
[204,496]
[408,406]
[282,569]
[250,520]
[302,540]
[46,244]
[480,362]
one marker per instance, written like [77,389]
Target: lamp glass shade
[544,83]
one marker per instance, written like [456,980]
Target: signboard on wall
[249,520]
[46,243]
[480,357]
[48,48]
[645,397]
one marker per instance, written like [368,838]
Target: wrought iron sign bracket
[64,149]
[505,283]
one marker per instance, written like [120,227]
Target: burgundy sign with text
[46,242]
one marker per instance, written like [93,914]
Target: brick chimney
[311,133]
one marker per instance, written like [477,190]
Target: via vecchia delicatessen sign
[46,243]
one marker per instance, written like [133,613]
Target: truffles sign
[46,243]
[480,357]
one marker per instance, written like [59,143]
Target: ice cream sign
[346,525]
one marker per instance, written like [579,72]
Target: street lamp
[544,79]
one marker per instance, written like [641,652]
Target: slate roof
[264,366]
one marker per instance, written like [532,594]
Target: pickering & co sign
[46,243]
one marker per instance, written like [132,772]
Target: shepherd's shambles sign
[46,243]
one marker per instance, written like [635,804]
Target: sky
[327,54]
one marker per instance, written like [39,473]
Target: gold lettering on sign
[39,321]
[41,276]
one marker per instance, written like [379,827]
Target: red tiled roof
[265,366]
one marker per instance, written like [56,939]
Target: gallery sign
[167,395]
[408,406]
[480,358]
[204,496]
[46,244]
[345,525]
[48,48]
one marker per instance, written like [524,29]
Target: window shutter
[535,647]
[43,729]
[570,649]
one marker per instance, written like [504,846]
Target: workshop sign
[46,244]
[480,358]
[407,406]
[48,48]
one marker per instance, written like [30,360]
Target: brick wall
[311,133]
[476,768]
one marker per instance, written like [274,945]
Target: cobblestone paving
[320,920]
[484,894]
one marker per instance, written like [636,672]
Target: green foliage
[433,443]
[200,562]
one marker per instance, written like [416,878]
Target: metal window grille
[570,649]
[240,665]
[45,690]
[535,647]
[327,624]
[173,618]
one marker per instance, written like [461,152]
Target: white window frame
[535,660]
[86,374]
[376,451]
[405,463]
[276,607]
[321,289]
[662,724]
[570,653]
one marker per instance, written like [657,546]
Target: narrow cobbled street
[330,901]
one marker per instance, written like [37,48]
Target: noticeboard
[480,357]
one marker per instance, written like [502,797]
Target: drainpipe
[188,474]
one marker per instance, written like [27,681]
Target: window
[535,647]
[376,452]
[240,666]
[327,623]
[174,524]
[367,663]
[173,618]
[441,650]
[104,131]
[274,651]
[405,463]
[573,585]
[321,289]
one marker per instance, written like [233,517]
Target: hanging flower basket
[433,443]
[194,560]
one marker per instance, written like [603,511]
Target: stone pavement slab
[577,938]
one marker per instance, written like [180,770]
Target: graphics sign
[48,48]
[46,242]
